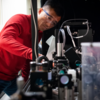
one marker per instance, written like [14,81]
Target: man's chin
[43,29]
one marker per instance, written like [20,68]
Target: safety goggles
[50,19]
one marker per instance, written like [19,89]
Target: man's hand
[39,54]
[40,67]
[43,59]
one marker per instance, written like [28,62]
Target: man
[16,46]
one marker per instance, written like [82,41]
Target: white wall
[9,8]
[29,6]
[0,14]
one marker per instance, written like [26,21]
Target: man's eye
[53,23]
[49,18]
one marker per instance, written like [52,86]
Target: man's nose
[48,24]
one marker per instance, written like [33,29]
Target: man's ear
[40,10]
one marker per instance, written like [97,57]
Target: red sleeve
[26,70]
[9,43]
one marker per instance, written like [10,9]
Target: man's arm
[8,41]
[26,70]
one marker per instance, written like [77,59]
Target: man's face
[47,18]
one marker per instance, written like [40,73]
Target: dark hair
[56,5]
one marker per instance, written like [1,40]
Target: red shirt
[16,47]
